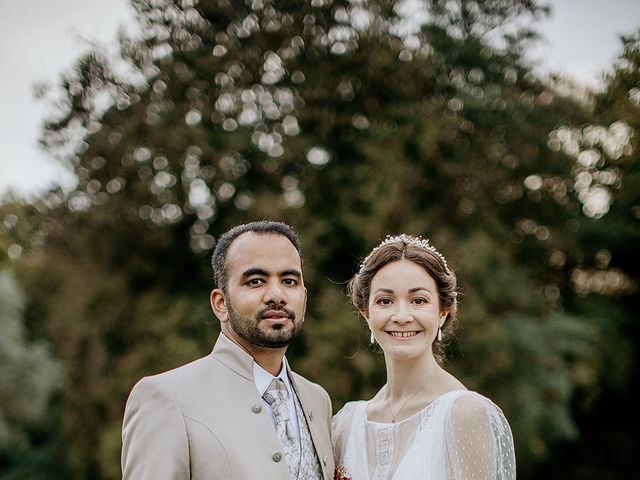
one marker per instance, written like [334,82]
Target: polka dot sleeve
[478,441]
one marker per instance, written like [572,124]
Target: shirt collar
[263,379]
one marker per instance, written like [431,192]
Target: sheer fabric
[459,436]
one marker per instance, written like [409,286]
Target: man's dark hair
[264,227]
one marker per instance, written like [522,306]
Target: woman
[424,423]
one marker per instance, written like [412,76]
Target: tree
[29,376]
[606,278]
[349,121]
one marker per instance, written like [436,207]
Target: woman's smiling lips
[409,334]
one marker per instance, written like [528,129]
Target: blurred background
[349,120]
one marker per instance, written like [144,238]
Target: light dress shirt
[263,379]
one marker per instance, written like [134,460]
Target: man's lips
[276,315]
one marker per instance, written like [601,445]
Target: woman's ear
[443,318]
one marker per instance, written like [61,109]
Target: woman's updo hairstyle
[419,251]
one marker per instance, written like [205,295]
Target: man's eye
[254,282]
[290,282]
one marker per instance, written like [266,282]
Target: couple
[241,413]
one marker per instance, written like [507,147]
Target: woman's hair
[419,251]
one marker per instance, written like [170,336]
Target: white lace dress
[459,436]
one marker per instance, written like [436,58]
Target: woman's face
[404,310]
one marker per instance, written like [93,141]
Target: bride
[424,423]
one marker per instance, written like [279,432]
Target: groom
[239,412]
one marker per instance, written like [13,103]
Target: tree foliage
[349,120]
[28,378]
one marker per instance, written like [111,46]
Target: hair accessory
[416,241]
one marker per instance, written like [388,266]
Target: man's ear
[304,308]
[219,305]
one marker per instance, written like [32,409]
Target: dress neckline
[417,414]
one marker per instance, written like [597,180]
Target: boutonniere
[341,473]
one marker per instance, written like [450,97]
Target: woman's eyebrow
[417,289]
[385,290]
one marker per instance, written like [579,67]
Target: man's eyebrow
[260,271]
[255,271]
[291,272]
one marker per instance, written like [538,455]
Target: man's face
[265,297]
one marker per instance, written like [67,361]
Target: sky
[39,40]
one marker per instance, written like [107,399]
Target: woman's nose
[402,313]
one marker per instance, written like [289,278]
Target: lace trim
[384,452]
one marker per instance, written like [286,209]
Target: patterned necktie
[276,396]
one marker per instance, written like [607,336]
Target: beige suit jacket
[205,420]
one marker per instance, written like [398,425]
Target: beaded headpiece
[416,241]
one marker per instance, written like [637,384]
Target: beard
[259,333]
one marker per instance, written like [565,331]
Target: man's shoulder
[299,379]
[304,383]
[187,373]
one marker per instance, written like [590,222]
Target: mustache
[275,308]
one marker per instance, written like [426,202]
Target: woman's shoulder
[462,397]
[469,400]
[349,409]
[344,418]
[467,407]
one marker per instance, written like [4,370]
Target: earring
[439,334]
[372,339]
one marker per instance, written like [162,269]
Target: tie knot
[276,393]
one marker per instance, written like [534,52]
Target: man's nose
[275,293]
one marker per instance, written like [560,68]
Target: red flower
[341,473]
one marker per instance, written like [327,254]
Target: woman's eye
[419,301]
[384,301]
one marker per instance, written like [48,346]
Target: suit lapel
[312,419]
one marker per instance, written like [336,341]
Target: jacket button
[276,457]
[324,460]
[256,408]
[311,415]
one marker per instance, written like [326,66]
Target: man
[240,412]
